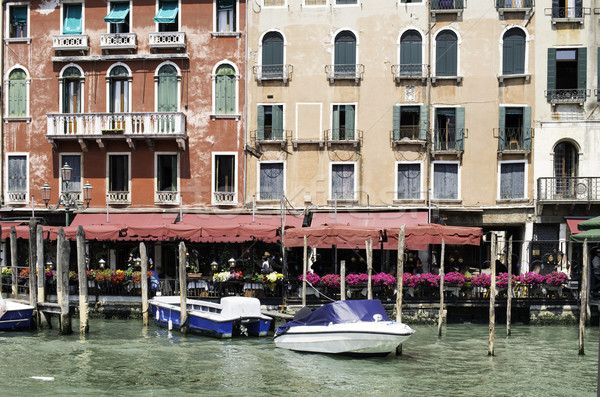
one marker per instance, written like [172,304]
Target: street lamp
[67,198]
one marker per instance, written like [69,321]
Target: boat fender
[170,325]
[377,317]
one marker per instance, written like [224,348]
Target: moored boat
[359,327]
[14,315]
[233,315]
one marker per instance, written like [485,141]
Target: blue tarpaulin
[339,312]
[117,13]
[167,12]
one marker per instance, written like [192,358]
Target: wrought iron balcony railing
[572,95]
[584,189]
[227,198]
[343,134]
[409,132]
[514,4]
[118,41]
[270,134]
[514,139]
[567,13]
[446,5]
[272,72]
[118,197]
[448,139]
[70,42]
[163,197]
[344,72]
[175,40]
[409,71]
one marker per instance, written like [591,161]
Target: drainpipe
[245,105]
[428,144]
[2,27]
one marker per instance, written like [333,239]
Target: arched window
[345,55]
[71,90]
[411,53]
[17,93]
[446,54]
[167,81]
[566,168]
[272,55]
[513,52]
[118,90]
[225,98]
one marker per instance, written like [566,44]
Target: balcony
[446,7]
[224,198]
[16,198]
[409,72]
[514,6]
[269,135]
[166,198]
[118,198]
[407,135]
[449,140]
[567,14]
[571,95]
[514,140]
[118,41]
[126,126]
[169,40]
[344,72]
[343,136]
[272,72]
[70,42]
[569,190]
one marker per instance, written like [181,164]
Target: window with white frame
[226,19]
[269,122]
[343,181]
[71,81]
[343,122]
[167,174]
[119,17]
[409,181]
[74,161]
[167,88]
[119,89]
[17,93]
[118,173]
[512,180]
[72,18]
[17,20]
[17,178]
[224,178]
[274,3]
[445,181]
[446,54]
[225,95]
[271,180]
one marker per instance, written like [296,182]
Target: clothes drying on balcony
[117,13]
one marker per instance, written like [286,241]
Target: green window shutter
[272,49]
[446,54]
[167,93]
[501,128]
[424,123]
[335,125]
[513,54]
[551,86]
[527,128]
[396,123]
[350,132]
[460,128]
[230,95]
[260,123]
[508,56]
[17,98]
[277,122]
[72,23]
[582,68]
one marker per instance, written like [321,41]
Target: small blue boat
[234,315]
[14,315]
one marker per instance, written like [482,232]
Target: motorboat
[14,315]
[360,327]
[233,315]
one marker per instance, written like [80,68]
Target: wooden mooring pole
[441,273]
[41,275]
[492,296]
[13,262]
[62,281]
[33,299]
[510,291]
[84,324]
[182,288]
[145,305]
[304,269]
[369,248]
[400,273]
[584,296]
[343,280]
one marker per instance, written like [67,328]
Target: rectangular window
[343,2]
[119,17]
[17,177]
[270,122]
[274,3]
[74,161]
[166,172]
[449,129]
[445,181]
[226,18]
[224,173]
[342,181]
[271,181]
[411,1]
[409,181]
[118,173]
[72,18]
[512,180]
[167,16]
[343,123]
[309,3]
[567,75]
[17,19]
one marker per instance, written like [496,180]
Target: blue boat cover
[339,312]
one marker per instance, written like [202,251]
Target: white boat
[359,327]
[14,315]
[233,315]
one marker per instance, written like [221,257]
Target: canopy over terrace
[419,236]
[589,224]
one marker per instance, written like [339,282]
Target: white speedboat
[14,315]
[359,327]
[234,315]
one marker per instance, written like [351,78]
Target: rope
[320,293]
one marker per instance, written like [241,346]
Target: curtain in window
[446,53]
[512,181]
[445,178]
[345,54]
[17,174]
[271,181]
[119,90]
[513,52]
[167,89]
[72,23]
[71,88]
[225,173]
[409,181]
[277,122]
[342,181]
[272,55]
[74,162]
[118,173]
[17,93]
[226,16]
[411,54]
[18,15]
[118,12]
[225,90]
[167,173]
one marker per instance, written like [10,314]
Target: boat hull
[17,317]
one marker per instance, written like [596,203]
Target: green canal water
[122,358]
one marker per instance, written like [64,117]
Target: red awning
[423,235]
[573,225]
[381,220]
[184,231]
[92,232]
[324,236]
[229,219]
[129,220]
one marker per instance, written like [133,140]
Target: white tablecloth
[253,286]
[199,284]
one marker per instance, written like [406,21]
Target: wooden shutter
[350,127]
[460,128]
[446,54]
[527,128]
[277,122]
[17,173]
[598,90]
[424,123]
[230,94]
[551,84]
[501,128]
[260,121]
[582,68]
[396,123]
[335,123]
[578,8]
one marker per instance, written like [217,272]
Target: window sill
[10,40]
[458,79]
[446,201]
[319,142]
[503,77]
[512,201]
[215,35]
[344,202]
[235,117]
[13,119]
[269,203]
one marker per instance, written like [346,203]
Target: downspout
[2,105]
[428,144]
[245,104]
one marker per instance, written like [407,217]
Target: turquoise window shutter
[424,123]
[72,23]
[598,67]
[18,15]
[396,123]
[582,68]
[230,95]
[335,133]
[277,123]
[350,127]
[551,83]
[167,13]
[527,128]
[224,5]
[118,13]
[260,121]
[460,128]
[17,94]
[502,128]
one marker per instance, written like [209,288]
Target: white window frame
[27,195]
[525,178]
[156,154]
[459,180]
[212,176]
[331,164]
[423,43]
[304,5]
[335,34]
[27,116]
[334,4]
[156,84]
[178,15]
[62,4]
[128,154]
[213,76]
[331,105]
[129,79]
[130,14]
[27,37]
[237,31]
[282,104]
[80,167]
[285,4]
[260,45]
[258,176]
[421,181]
[434,57]
[403,4]
[501,50]
[81,87]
